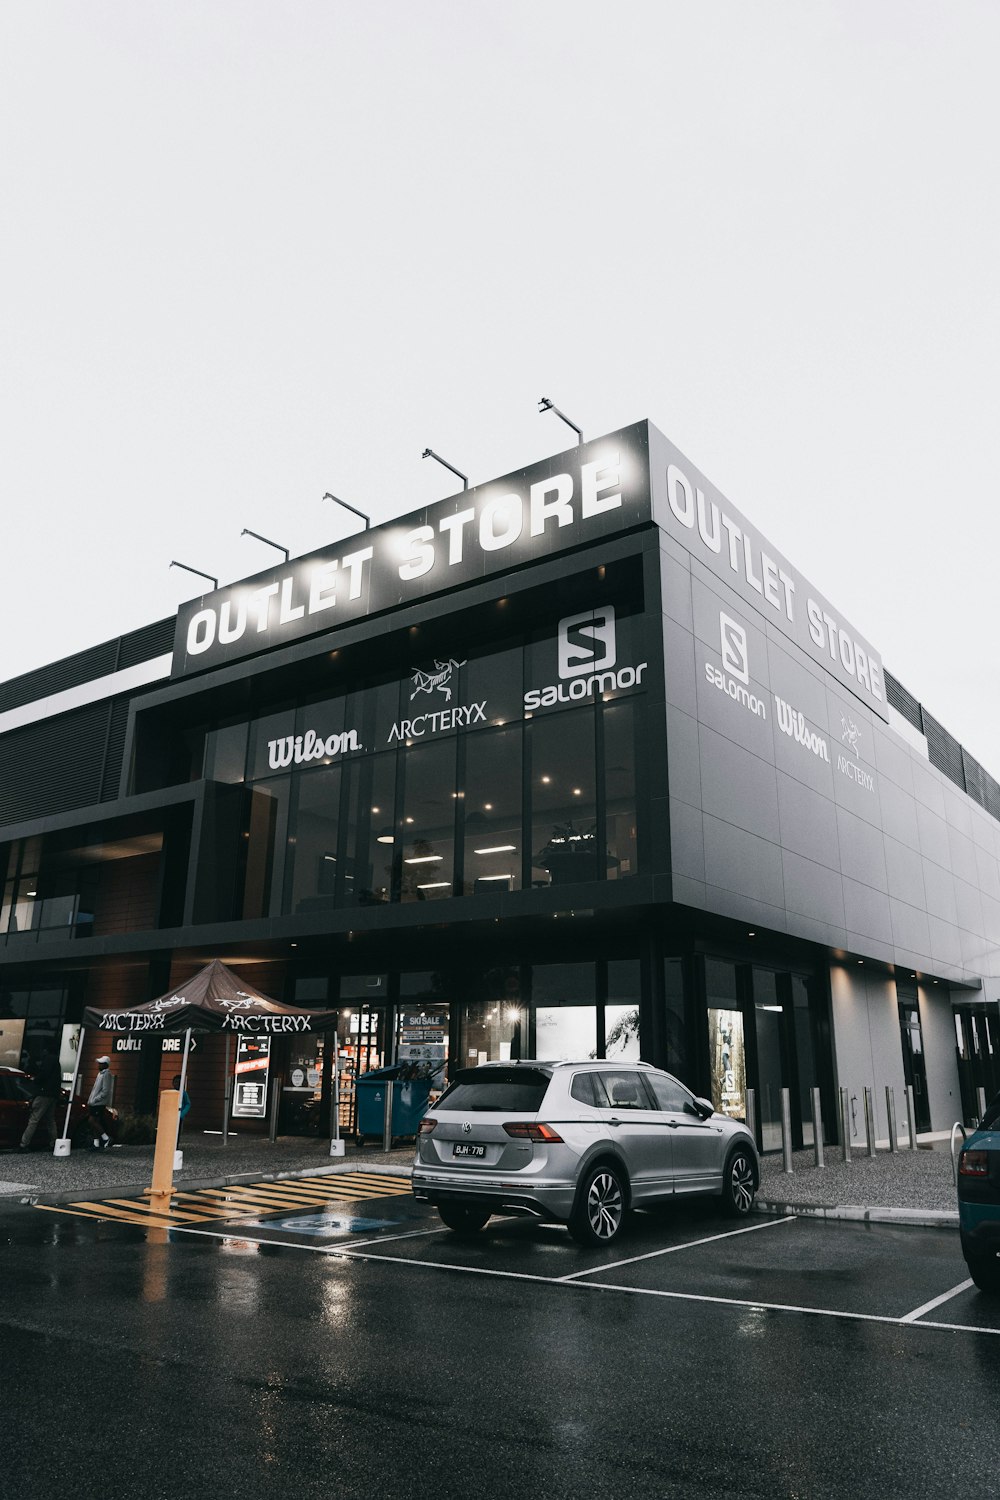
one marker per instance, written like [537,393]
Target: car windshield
[506,1090]
[992,1115]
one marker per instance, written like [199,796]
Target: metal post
[890,1109]
[817,1127]
[387,1137]
[981,1096]
[752,1112]
[911,1116]
[227,1097]
[845,1124]
[336,1144]
[786,1130]
[275,1106]
[184,1070]
[870,1120]
[72,1096]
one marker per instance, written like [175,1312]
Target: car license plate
[466,1150]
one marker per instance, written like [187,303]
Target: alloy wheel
[605,1206]
[742,1183]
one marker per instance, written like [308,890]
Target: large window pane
[565,1032]
[265,839]
[371,834]
[492,802]
[619,790]
[312,841]
[427,840]
[621,1013]
[563,799]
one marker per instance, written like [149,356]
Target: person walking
[185,1102]
[99,1103]
[48,1087]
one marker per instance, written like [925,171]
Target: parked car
[580,1143]
[979,1200]
[16,1094]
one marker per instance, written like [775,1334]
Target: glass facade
[466,777]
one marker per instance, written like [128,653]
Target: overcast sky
[254,251]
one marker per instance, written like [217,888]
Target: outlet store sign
[580,496]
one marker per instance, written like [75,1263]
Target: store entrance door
[914,1066]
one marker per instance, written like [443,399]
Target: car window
[625,1090]
[669,1094]
[585,1089]
[517,1090]
[991,1116]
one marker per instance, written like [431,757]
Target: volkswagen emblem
[466,1128]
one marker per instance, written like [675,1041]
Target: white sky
[253,251]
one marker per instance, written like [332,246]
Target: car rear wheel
[739,1184]
[985,1272]
[599,1211]
[462,1219]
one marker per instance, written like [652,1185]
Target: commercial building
[571,763]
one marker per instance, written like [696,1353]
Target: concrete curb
[192,1184]
[913,1218]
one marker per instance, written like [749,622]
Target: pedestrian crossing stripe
[241,1201]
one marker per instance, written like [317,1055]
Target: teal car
[979,1200]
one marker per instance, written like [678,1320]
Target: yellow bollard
[163,1157]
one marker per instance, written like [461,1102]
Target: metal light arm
[546,405]
[429,453]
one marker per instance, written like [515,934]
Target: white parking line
[918,1312]
[672,1249]
[237,1224]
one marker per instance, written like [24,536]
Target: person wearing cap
[99,1102]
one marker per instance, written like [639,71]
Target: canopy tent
[215,999]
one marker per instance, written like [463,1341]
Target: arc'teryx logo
[436,681]
[851,735]
[735,658]
[587,642]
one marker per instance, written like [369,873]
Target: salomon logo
[734,648]
[587,642]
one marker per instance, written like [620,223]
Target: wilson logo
[792,723]
[294,749]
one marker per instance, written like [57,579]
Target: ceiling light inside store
[497,849]
[508,876]
[423,859]
[435,885]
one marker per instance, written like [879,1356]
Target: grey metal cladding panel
[855,787]
[905,873]
[892,759]
[731,718]
[946,944]
[808,822]
[867,911]
[687,841]
[933,832]
[814,931]
[690,893]
[962,854]
[985,830]
[927,788]
[709,604]
[969,904]
[851,727]
[987,873]
[812,890]
[910,929]
[743,909]
[797,682]
[862,851]
[800,761]
[675,587]
[683,761]
[899,815]
[939,888]
[958,810]
[740,862]
[678,666]
[738,786]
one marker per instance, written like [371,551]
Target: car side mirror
[705,1108]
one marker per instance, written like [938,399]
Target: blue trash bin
[410,1094]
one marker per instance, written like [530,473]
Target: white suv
[576,1142]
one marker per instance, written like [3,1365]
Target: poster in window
[727,1060]
[253,1058]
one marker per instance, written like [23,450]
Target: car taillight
[525,1130]
[973,1164]
[426,1126]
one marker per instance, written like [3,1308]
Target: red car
[16,1093]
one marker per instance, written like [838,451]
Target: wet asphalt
[360,1351]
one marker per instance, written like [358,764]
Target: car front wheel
[599,1211]
[739,1184]
[462,1219]
[985,1272]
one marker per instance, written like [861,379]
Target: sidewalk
[904,1187]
